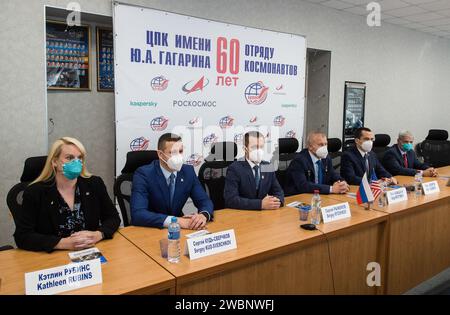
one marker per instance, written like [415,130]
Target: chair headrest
[33,168]
[287,145]
[437,134]
[224,151]
[136,159]
[381,140]
[334,144]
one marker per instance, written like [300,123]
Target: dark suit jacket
[300,175]
[240,186]
[36,224]
[394,164]
[150,195]
[353,168]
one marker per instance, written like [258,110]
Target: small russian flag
[364,193]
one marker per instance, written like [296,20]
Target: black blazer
[300,175]
[240,186]
[36,223]
[394,164]
[353,167]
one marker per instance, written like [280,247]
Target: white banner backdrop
[204,80]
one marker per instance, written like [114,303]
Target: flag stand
[367,207]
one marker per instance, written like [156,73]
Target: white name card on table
[63,278]
[211,244]
[336,212]
[193,235]
[430,187]
[396,195]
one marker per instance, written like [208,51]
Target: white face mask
[256,156]
[366,146]
[322,152]
[175,162]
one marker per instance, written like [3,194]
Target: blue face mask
[72,169]
[407,147]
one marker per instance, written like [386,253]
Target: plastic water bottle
[173,251]
[315,208]
[418,179]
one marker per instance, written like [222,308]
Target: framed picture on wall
[105,60]
[68,51]
[354,106]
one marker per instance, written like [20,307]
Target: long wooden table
[409,240]
[419,235]
[444,171]
[275,256]
[127,270]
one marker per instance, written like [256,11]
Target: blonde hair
[49,172]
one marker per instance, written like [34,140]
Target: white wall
[407,72]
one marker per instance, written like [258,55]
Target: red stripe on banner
[376,189]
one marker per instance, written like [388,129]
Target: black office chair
[213,171]
[123,183]
[223,151]
[287,148]
[435,149]
[380,145]
[33,167]
[334,147]
[349,143]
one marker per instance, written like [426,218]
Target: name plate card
[211,244]
[336,212]
[63,278]
[430,187]
[396,195]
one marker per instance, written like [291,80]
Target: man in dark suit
[161,189]
[312,169]
[360,159]
[251,183]
[401,159]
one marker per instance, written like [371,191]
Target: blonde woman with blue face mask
[66,207]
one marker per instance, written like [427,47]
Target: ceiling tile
[443,27]
[427,30]
[445,12]
[336,4]
[416,2]
[392,4]
[424,17]
[443,21]
[397,21]
[407,11]
[427,16]
[436,5]
[358,2]
[414,25]
[357,10]
[441,33]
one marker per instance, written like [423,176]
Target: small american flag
[375,185]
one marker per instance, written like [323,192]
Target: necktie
[171,188]
[366,163]
[319,172]
[257,176]
[405,160]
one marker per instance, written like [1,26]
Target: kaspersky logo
[199,86]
